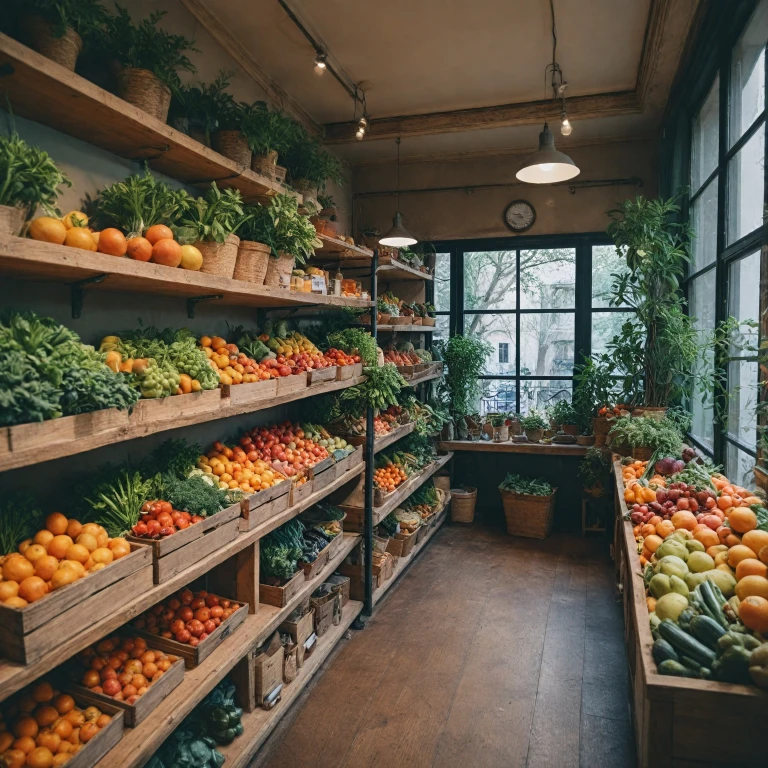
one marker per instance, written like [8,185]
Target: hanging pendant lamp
[546,165]
[398,236]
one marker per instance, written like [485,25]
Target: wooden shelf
[395,435]
[259,724]
[405,328]
[43,91]
[139,744]
[14,460]
[404,562]
[35,260]
[15,676]
[394,272]
[342,250]
[415,380]
[488,446]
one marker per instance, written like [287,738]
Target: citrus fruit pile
[235,468]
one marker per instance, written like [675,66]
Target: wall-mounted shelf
[406,328]
[393,271]
[340,249]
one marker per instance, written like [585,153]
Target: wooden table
[537,449]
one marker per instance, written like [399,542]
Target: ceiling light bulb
[359,134]
[546,167]
[566,126]
[321,64]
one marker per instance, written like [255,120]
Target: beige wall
[479,213]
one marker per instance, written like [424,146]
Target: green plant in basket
[530,486]
[562,413]
[307,162]
[213,217]
[85,17]
[267,130]
[201,104]
[465,359]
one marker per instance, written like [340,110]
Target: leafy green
[532,486]
[595,467]
[174,457]
[213,217]
[201,103]
[533,420]
[194,495]
[464,358]
[660,435]
[117,505]
[281,550]
[20,518]
[308,162]
[379,390]
[267,130]
[355,339]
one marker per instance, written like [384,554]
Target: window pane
[496,330]
[738,467]
[442,328]
[704,223]
[497,396]
[547,344]
[606,263]
[548,278]
[443,282]
[490,280]
[702,308]
[606,325]
[746,188]
[701,299]
[538,395]
[748,74]
[704,130]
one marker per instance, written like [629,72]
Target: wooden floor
[492,651]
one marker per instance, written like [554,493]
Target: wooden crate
[356,579]
[345,372]
[105,740]
[341,585]
[321,375]
[195,656]
[395,547]
[27,634]
[294,383]
[5,440]
[409,541]
[301,632]
[253,392]
[41,434]
[177,552]
[349,462]
[323,473]
[422,531]
[312,569]
[176,407]
[281,596]
[268,678]
[335,544]
[135,713]
[301,492]
[672,713]
[327,612]
[264,505]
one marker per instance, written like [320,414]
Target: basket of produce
[280,575]
[529,505]
[463,502]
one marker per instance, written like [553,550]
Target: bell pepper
[734,651]
[758,666]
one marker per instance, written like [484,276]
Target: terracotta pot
[63,50]
[534,435]
[650,412]
[515,428]
[571,429]
[585,439]
[12,219]
[141,88]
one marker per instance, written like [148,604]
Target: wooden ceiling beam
[482,118]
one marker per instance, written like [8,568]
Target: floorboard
[492,652]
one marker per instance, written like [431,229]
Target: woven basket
[265,164]
[63,50]
[463,504]
[642,454]
[252,259]
[430,321]
[280,173]
[280,266]
[219,258]
[234,146]
[141,88]
[528,515]
[12,219]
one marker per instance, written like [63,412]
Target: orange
[139,248]
[24,743]
[25,726]
[56,523]
[14,758]
[750,567]
[59,545]
[80,238]
[6,739]
[752,586]
[102,555]
[63,728]
[718,549]
[684,519]
[49,739]
[112,242]
[166,252]
[42,693]
[42,537]
[653,542]
[78,552]
[46,715]
[75,219]
[63,577]
[61,758]
[17,568]
[158,232]
[88,731]
[46,566]
[15,602]
[665,528]
[32,588]
[737,553]
[40,757]
[34,552]
[74,528]
[88,540]
[753,612]
[742,519]
[724,502]
[75,717]
[755,540]
[8,589]
[48,229]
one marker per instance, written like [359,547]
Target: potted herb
[310,167]
[269,135]
[195,108]
[643,436]
[533,424]
[29,180]
[56,28]
[513,422]
[371,237]
[562,415]
[500,428]
[210,224]
[595,387]
[149,60]
[229,139]
[465,358]
[529,504]
[595,469]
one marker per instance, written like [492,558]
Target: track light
[362,126]
[565,126]
[321,63]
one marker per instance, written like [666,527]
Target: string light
[565,126]
[321,63]
[362,126]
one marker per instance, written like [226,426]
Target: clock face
[519,215]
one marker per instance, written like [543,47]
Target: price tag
[318,284]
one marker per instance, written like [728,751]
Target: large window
[726,208]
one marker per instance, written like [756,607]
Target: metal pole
[369,460]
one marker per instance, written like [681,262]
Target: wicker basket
[642,454]
[265,164]
[234,146]
[63,50]
[141,88]
[280,173]
[528,515]
[283,265]
[12,219]
[219,258]
[463,504]
[430,321]
[252,260]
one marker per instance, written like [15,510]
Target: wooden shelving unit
[488,446]
[429,376]
[393,271]
[139,743]
[47,93]
[340,249]
[396,434]
[406,328]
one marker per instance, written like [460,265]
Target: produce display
[395,466]
[340,358]
[232,468]
[123,668]
[425,501]
[530,486]
[41,727]
[186,616]
[280,553]
[60,553]
[398,357]
[356,342]
[159,519]
[379,390]
[383,423]
[703,543]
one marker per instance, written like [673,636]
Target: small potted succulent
[533,425]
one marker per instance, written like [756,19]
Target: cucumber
[706,630]
[685,644]
[663,651]
[675,668]
[713,602]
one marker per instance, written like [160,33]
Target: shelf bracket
[78,290]
[160,151]
[195,300]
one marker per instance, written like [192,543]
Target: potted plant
[326,219]
[595,387]
[512,421]
[148,60]
[57,28]
[500,428]
[310,167]
[529,504]
[562,415]
[229,139]
[195,108]
[595,469]
[386,310]
[533,424]
[210,224]
[644,436]
[29,180]
[269,135]
[371,237]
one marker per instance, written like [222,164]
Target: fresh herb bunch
[533,420]
[117,505]
[175,457]
[137,203]
[427,419]
[660,435]
[427,495]
[20,519]
[213,217]
[326,512]
[28,176]
[531,486]
[356,339]
[308,162]
[93,386]
[280,226]
[378,391]
[465,358]
[201,103]
[595,467]
[267,130]
[281,550]
[146,46]
[419,446]
[85,17]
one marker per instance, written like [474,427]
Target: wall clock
[519,215]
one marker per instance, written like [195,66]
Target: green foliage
[531,486]
[20,518]
[660,435]
[203,103]
[562,413]
[379,390]
[533,420]
[595,467]
[355,339]
[594,388]
[281,550]
[213,217]
[195,495]
[174,457]
[28,176]
[465,359]
[280,226]
[268,130]
[146,46]
[117,505]
[86,17]
[308,162]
